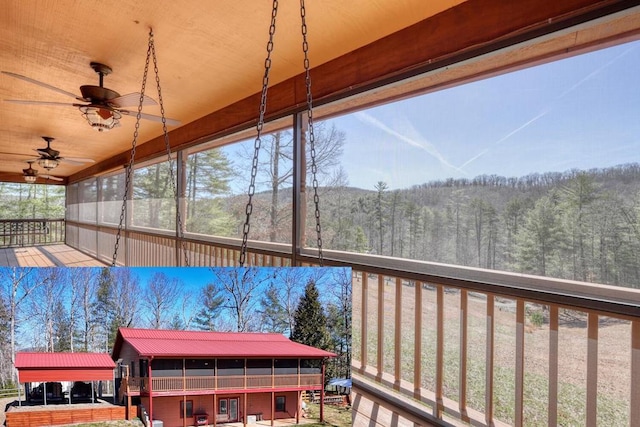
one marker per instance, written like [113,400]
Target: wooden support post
[520,321]
[244,407]
[322,393]
[553,366]
[150,391]
[417,355]
[462,379]
[215,410]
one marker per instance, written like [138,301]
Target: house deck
[46,256]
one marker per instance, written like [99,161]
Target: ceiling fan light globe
[97,118]
[48,163]
[30,179]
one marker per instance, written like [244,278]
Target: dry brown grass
[613,363]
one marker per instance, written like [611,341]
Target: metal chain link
[127,184]
[258,142]
[172,177]
[312,148]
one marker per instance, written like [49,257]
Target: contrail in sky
[424,145]
[544,112]
[486,150]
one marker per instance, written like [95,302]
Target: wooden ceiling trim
[473,28]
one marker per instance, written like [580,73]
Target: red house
[186,378]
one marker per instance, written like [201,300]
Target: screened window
[533,171]
[259,366]
[281,403]
[112,192]
[154,204]
[286,366]
[217,182]
[87,200]
[167,367]
[230,367]
[201,367]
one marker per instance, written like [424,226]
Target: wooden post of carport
[299,406]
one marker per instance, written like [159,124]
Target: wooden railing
[31,232]
[435,342]
[224,382]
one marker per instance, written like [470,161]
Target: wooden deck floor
[46,256]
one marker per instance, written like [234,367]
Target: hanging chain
[312,148]
[127,183]
[172,177]
[258,142]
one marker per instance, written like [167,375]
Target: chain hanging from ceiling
[151,53]
[260,125]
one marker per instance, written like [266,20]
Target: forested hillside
[580,225]
[29,201]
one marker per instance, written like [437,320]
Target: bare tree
[81,285]
[240,286]
[84,287]
[160,298]
[16,288]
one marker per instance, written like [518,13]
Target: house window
[223,406]
[281,403]
[189,408]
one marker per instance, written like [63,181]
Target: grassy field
[335,416]
[613,365]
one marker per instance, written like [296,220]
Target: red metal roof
[172,343]
[64,360]
[36,367]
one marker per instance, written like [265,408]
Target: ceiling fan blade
[45,85]
[15,154]
[131,100]
[170,122]
[54,178]
[76,160]
[28,102]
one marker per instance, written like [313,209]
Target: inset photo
[175,346]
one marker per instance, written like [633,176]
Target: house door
[233,409]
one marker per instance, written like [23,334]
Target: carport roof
[38,367]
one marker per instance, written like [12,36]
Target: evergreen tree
[310,320]
[212,300]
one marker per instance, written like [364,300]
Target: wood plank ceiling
[211,56]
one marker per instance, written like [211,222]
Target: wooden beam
[472,28]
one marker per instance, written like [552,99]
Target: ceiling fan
[50,158]
[101,107]
[31,175]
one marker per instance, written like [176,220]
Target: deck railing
[31,232]
[434,342]
[223,382]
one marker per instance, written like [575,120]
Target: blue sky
[581,112]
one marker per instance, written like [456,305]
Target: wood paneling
[467,30]
[61,415]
